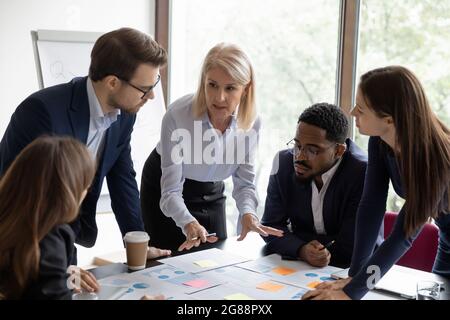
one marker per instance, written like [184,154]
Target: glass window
[293,46]
[412,33]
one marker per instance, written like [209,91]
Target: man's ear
[111,82]
[340,149]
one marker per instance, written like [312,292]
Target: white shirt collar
[232,125]
[326,177]
[95,108]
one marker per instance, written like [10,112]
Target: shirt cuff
[181,223]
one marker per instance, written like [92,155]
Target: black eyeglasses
[310,152]
[144,92]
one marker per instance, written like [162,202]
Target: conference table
[253,247]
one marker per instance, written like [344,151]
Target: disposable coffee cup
[136,243]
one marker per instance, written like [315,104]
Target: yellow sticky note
[313,284]
[238,296]
[206,263]
[283,271]
[270,286]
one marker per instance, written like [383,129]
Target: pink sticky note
[197,283]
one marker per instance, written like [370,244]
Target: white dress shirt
[191,148]
[98,122]
[318,197]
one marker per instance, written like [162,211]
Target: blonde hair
[237,64]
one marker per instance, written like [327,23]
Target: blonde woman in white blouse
[205,138]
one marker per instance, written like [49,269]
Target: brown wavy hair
[423,140]
[42,188]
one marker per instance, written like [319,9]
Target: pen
[327,245]
[208,235]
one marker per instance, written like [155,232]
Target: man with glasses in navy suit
[315,189]
[100,111]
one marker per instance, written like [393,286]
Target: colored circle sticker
[140,286]
[312,275]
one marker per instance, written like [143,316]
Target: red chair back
[422,253]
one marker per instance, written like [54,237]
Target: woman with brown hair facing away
[40,194]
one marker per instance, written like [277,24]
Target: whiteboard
[63,55]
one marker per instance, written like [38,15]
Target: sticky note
[206,263]
[313,284]
[270,286]
[197,283]
[238,296]
[283,271]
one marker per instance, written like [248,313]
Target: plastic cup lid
[136,236]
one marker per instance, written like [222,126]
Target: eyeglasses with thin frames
[310,152]
[144,92]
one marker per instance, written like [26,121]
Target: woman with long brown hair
[40,194]
[410,147]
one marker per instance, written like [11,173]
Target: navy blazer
[64,110]
[289,202]
[56,252]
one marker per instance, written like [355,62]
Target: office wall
[18,17]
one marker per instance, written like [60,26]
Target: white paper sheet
[187,282]
[138,285]
[304,275]
[222,292]
[190,262]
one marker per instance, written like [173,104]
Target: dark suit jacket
[56,253]
[289,201]
[64,110]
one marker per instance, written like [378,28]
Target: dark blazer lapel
[111,139]
[300,200]
[79,110]
[330,209]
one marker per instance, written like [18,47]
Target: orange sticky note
[313,284]
[270,286]
[283,271]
